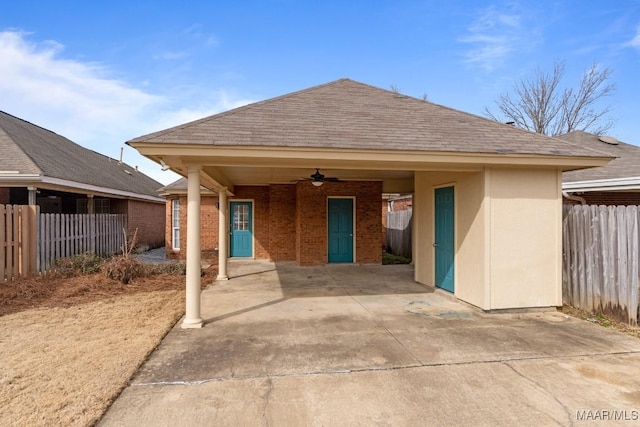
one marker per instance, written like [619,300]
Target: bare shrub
[124,269]
[78,265]
[178,268]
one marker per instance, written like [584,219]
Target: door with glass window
[241,226]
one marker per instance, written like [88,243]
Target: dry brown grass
[603,321]
[68,346]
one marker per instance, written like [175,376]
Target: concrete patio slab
[365,345]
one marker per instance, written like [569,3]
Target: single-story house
[487,207]
[40,167]
[617,183]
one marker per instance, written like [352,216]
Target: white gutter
[19,177]
[34,179]
[628,183]
[97,189]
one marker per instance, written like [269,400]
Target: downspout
[573,197]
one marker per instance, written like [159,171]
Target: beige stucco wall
[526,238]
[508,235]
[469,232]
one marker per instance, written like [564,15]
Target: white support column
[192,317]
[223,234]
[91,205]
[32,194]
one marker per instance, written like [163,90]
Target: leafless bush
[124,269]
[78,265]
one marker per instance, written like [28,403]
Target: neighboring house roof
[37,155]
[622,173]
[348,114]
[180,187]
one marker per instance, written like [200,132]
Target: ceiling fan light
[317,183]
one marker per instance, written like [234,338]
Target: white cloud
[493,35]
[196,31]
[635,42]
[82,101]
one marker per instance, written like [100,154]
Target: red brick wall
[311,220]
[118,206]
[290,221]
[5,197]
[368,236]
[282,222]
[167,229]
[609,198]
[402,204]
[148,218]
[208,227]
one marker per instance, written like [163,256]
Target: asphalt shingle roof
[31,149]
[349,114]
[180,185]
[627,163]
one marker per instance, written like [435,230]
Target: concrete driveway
[365,345]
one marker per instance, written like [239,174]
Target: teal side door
[340,228]
[241,226]
[444,238]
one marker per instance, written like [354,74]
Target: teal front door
[444,238]
[340,227]
[241,240]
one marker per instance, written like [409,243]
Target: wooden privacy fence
[399,233]
[17,241]
[64,235]
[601,260]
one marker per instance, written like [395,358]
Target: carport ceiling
[272,175]
[393,181]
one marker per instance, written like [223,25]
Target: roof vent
[608,139]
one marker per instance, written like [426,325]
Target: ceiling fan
[317,178]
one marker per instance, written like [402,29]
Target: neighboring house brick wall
[402,204]
[5,195]
[118,206]
[148,219]
[608,198]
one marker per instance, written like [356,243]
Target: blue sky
[103,72]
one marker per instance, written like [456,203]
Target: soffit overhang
[226,166]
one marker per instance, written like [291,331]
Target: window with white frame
[175,224]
